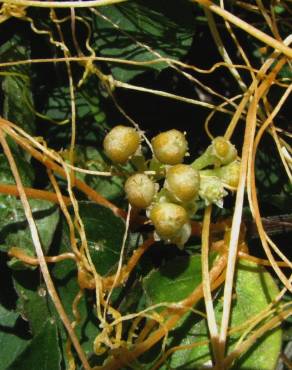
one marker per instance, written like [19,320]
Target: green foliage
[104,232]
[25,170]
[89,157]
[11,346]
[16,85]
[14,230]
[174,281]
[158,25]
[36,97]
[8,339]
[254,290]
[43,351]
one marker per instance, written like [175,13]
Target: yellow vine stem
[5,125]
[261,261]
[108,281]
[272,324]
[268,40]
[245,174]
[124,85]
[252,322]
[120,264]
[260,319]
[235,40]
[219,227]
[266,16]
[170,351]
[62,4]
[66,214]
[66,52]
[261,74]
[236,223]
[211,320]
[151,308]
[248,143]
[253,196]
[256,324]
[238,115]
[54,155]
[173,315]
[171,63]
[77,316]
[43,265]
[221,48]
[251,176]
[124,61]
[84,245]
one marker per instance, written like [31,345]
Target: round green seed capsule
[230,174]
[170,147]
[223,151]
[121,143]
[168,219]
[140,190]
[183,182]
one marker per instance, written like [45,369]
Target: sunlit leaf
[174,281]
[254,290]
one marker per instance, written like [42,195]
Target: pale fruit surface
[230,174]
[168,219]
[170,147]
[140,190]
[121,143]
[223,150]
[183,182]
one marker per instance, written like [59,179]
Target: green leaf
[90,117]
[10,347]
[18,100]
[25,170]
[254,290]
[65,277]
[174,281]
[104,232]
[157,24]
[14,230]
[32,303]
[7,318]
[90,158]
[42,353]
[8,338]
[58,106]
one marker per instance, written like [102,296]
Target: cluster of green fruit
[171,206]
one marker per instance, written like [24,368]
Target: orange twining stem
[260,261]
[34,261]
[92,194]
[173,315]
[33,193]
[86,280]
[127,269]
